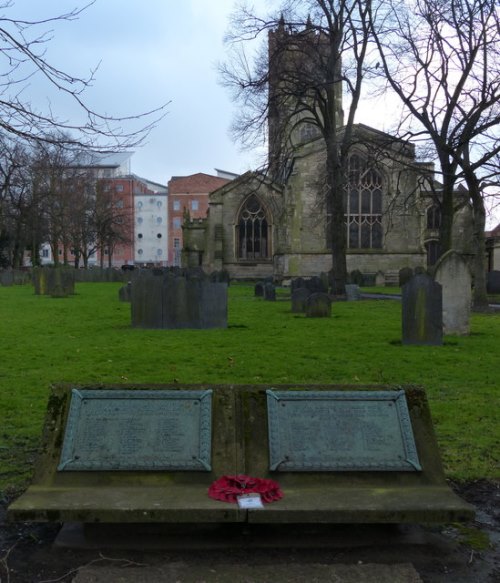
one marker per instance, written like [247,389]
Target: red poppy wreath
[228,488]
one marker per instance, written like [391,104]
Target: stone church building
[257,226]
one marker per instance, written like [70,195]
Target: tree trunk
[335,206]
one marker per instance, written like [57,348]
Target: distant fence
[10,277]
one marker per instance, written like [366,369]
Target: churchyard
[87,338]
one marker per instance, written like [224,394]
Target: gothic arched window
[252,230]
[363,205]
[433,217]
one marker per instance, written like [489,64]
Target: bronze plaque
[138,430]
[340,431]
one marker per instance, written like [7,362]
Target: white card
[250,501]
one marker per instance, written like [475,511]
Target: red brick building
[187,194]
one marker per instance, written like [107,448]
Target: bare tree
[22,48]
[293,92]
[442,59]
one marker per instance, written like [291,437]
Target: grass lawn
[87,338]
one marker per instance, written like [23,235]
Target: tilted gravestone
[299,299]
[405,274]
[453,273]
[493,282]
[318,305]
[125,292]
[172,302]
[269,292]
[422,311]
[352,292]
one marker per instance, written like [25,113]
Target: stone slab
[240,444]
[175,572]
[340,431]
[137,430]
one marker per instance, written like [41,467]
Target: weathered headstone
[422,311]
[493,282]
[298,282]
[379,279]
[58,282]
[125,292]
[405,274]
[177,302]
[6,278]
[452,272]
[269,292]
[259,289]
[318,305]
[299,299]
[356,277]
[352,292]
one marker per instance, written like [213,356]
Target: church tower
[305,90]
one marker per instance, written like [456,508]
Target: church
[269,224]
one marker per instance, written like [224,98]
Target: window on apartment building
[119,204]
[139,220]
[139,251]
[159,252]
[177,205]
[177,223]
[159,220]
[159,235]
[139,236]
[119,188]
[139,205]
[158,204]
[45,253]
[194,205]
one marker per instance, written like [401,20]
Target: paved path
[310,573]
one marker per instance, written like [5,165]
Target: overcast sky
[149,52]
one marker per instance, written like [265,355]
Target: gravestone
[352,292]
[58,282]
[318,305]
[221,276]
[298,282]
[6,278]
[173,302]
[325,284]
[259,289]
[125,292]
[269,292]
[357,277]
[379,279]
[422,311]
[493,282]
[299,300]
[405,274]
[453,273]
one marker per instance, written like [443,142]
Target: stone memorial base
[148,454]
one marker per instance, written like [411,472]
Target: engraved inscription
[335,430]
[127,430]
